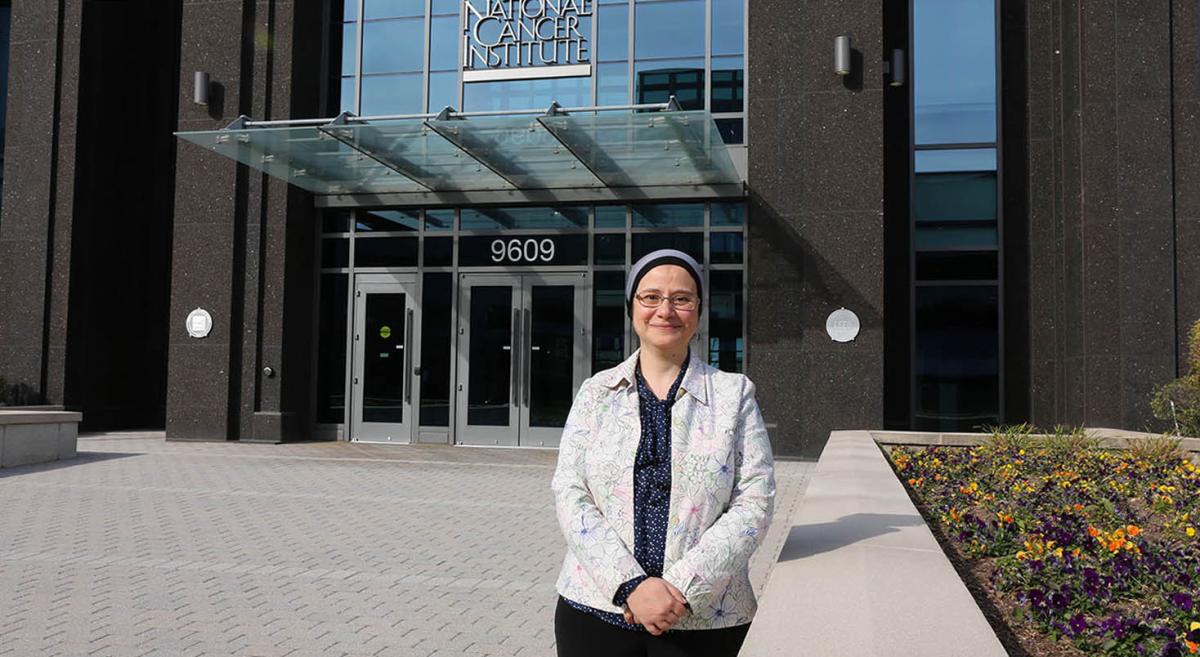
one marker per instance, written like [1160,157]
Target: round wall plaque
[842,325]
[199,323]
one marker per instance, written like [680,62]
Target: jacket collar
[693,383]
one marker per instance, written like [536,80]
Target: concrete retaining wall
[29,436]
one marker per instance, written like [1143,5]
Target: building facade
[409,220]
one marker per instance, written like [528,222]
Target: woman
[664,488]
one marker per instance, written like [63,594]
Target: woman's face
[666,327]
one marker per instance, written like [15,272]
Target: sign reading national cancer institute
[520,39]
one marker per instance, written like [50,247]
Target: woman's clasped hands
[656,605]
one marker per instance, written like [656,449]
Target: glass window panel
[956,236]
[335,221]
[612,40]
[661,215]
[657,81]
[726,342]
[728,84]
[728,27]
[439,220]
[725,248]
[490,351]
[447,6]
[443,43]
[394,46]
[522,250]
[392,8]
[552,336]
[608,320]
[443,90]
[349,48]
[384,220]
[347,100]
[669,29]
[690,243]
[733,131]
[436,294]
[957,346]
[331,349]
[523,217]
[610,216]
[954,71]
[612,84]
[609,249]
[966,196]
[527,94]
[391,94]
[335,252]
[957,266]
[383,368]
[727,214]
[350,10]
[439,251]
[955,159]
[385,252]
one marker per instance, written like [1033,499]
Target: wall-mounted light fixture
[200,88]
[895,68]
[841,55]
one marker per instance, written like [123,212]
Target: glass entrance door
[385,348]
[521,356]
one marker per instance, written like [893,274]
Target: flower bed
[1081,550]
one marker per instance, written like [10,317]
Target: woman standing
[664,488]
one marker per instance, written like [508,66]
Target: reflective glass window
[335,252]
[610,216]
[608,320]
[957,235]
[443,90]
[443,43]
[392,8]
[447,6]
[733,131]
[728,84]
[527,94]
[657,81]
[347,100]
[670,29]
[439,251]
[725,248]
[690,243]
[728,27]
[388,220]
[612,40]
[391,94]
[957,266]
[954,159]
[964,196]
[954,71]
[350,10]
[957,349]
[727,214]
[395,46]
[335,221]
[612,84]
[349,48]
[441,219]
[436,323]
[726,340]
[663,215]
[331,349]
[609,249]
[523,217]
[385,252]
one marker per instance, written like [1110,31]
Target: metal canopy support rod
[500,167]
[361,142]
[669,106]
[589,145]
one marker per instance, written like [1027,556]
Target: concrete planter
[30,436]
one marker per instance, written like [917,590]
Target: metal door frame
[386,283]
[517,433]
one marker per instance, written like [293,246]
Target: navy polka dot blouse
[651,492]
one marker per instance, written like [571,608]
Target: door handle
[527,355]
[408,333]
[514,356]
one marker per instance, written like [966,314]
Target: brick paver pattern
[147,547]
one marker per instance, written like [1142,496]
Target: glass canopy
[484,153]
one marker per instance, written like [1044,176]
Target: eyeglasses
[678,301]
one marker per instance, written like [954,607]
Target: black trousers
[579,634]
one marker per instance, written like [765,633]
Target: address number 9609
[517,250]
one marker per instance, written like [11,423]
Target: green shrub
[1179,400]
[18,394]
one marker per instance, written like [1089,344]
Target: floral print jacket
[722,492]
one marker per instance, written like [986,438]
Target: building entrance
[522,354]
[383,377]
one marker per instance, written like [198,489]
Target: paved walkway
[143,547]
